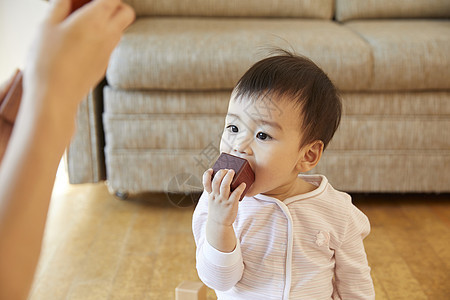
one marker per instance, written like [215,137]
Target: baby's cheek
[260,183]
[225,146]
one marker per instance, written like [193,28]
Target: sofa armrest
[85,155]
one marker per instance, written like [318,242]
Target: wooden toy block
[243,171]
[76,4]
[190,290]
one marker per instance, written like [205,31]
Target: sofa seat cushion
[138,120]
[212,54]
[151,143]
[407,54]
[216,102]
[162,131]
[199,131]
[384,171]
[322,9]
[165,102]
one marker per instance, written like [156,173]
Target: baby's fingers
[207,180]
[226,184]
[217,180]
[237,193]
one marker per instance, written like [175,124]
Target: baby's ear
[310,156]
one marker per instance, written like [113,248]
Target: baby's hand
[222,205]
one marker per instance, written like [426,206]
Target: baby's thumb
[207,177]
[59,10]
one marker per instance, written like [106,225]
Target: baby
[292,236]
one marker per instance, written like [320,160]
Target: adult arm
[68,57]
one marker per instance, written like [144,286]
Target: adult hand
[71,51]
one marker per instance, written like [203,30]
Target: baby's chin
[251,192]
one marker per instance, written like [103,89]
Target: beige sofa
[156,124]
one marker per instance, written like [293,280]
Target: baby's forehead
[270,105]
[269,108]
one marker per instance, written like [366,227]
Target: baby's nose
[243,147]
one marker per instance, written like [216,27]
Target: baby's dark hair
[297,78]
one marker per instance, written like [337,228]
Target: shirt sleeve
[352,272]
[218,270]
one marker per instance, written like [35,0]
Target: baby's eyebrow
[233,115]
[259,121]
[270,123]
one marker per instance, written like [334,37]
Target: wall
[18,23]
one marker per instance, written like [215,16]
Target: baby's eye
[232,128]
[263,136]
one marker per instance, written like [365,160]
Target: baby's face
[267,134]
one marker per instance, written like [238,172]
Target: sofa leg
[122,195]
[118,193]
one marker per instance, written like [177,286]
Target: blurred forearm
[27,175]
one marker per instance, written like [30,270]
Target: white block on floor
[190,290]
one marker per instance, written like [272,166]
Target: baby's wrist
[220,236]
[218,223]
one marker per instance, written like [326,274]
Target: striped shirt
[309,246]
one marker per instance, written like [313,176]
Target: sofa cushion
[357,9]
[322,9]
[211,54]
[155,120]
[392,104]
[383,171]
[387,171]
[412,154]
[162,131]
[407,54]
[399,133]
[125,102]
[158,102]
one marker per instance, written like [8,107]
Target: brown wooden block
[76,4]
[190,290]
[241,167]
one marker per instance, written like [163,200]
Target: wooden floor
[409,245]
[99,247]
